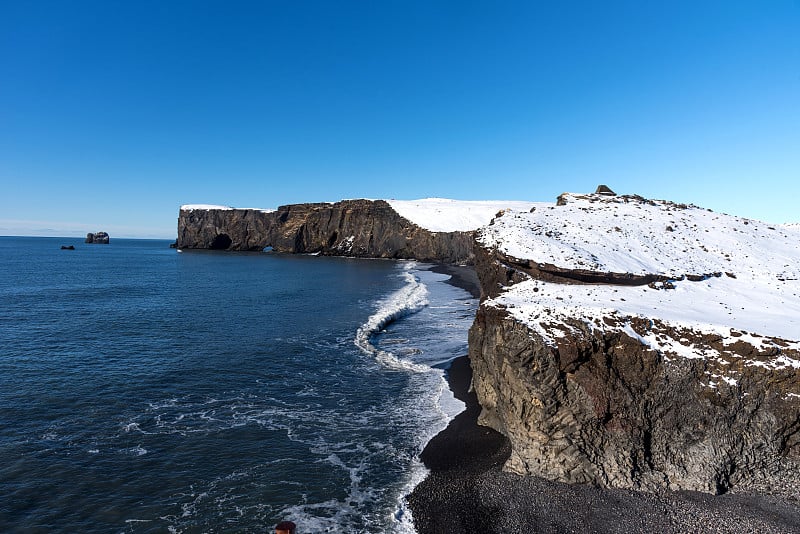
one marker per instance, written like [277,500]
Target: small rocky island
[99,238]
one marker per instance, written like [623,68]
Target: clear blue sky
[113,114]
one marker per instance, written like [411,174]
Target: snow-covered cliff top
[445,215]
[625,235]
[192,207]
[760,295]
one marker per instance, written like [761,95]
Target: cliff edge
[641,344]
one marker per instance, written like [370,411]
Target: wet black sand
[460,276]
[466,491]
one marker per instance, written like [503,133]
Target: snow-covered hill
[641,344]
[749,270]
[446,215]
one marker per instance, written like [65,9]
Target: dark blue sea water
[147,390]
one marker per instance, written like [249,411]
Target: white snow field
[754,295]
[446,215]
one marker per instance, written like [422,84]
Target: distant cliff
[357,228]
[637,344]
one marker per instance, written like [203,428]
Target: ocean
[144,389]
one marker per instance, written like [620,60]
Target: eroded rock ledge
[614,399]
[357,228]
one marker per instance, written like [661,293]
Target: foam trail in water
[409,299]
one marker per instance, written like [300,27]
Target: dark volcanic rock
[220,242]
[100,238]
[247,229]
[583,399]
[602,408]
[604,190]
[358,228]
[466,493]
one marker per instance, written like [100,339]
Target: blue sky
[113,114]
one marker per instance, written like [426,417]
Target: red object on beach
[285,527]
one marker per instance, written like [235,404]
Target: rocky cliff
[641,344]
[358,228]
[620,341]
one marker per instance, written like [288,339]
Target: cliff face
[358,228]
[591,389]
[224,229]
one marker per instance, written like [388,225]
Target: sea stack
[99,238]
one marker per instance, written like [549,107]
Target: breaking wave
[409,299]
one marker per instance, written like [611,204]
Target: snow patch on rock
[746,273]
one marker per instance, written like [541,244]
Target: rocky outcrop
[603,409]
[357,228]
[100,238]
[584,399]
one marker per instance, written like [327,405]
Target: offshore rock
[616,399]
[357,228]
[99,238]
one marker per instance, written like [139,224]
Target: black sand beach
[460,276]
[466,491]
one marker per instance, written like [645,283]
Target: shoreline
[456,458]
[467,492]
[462,276]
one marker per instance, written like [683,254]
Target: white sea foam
[132,427]
[434,405]
[137,451]
[330,435]
[410,298]
[434,393]
[343,514]
[403,518]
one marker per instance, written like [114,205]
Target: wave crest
[409,299]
